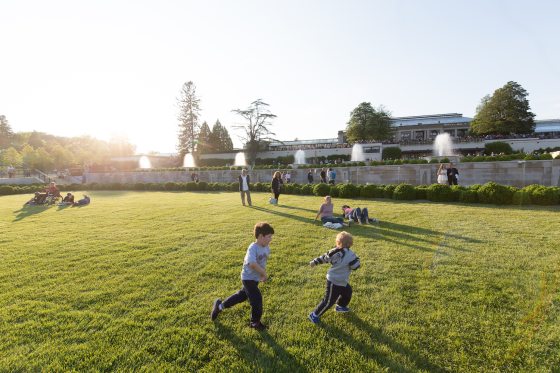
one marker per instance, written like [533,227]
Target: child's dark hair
[263,228]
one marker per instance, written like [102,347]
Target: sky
[115,68]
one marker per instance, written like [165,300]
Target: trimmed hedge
[495,193]
[488,193]
[404,192]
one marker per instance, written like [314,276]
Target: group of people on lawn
[51,193]
[326,211]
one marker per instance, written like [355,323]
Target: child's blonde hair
[344,239]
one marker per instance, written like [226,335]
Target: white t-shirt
[245,186]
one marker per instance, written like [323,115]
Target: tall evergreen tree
[369,124]
[189,110]
[6,133]
[256,131]
[204,144]
[506,112]
[220,138]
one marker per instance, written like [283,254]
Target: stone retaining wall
[516,173]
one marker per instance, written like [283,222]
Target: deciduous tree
[256,129]
[368,124]
[506,112]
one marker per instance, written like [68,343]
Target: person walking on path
[244,181]
[310,177]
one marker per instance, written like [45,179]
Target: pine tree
[6,133]
[220,138]
[189,109]
[204,145]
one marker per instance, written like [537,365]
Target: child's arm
[354,264]
[325,258]
[260,270]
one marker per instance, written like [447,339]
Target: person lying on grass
[342,260]
[84,201]
[357,215]
[253,272]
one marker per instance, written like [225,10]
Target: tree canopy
[220,139]
[369,124]
[189,110]
[6,132]
[256,129]
[506,112]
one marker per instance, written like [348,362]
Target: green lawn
[128,282]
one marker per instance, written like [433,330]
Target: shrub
[544,196]
[404,192]
[307,189]
[495,193]
[321,190]
[391,152]
[369,191]
[388,191]
[521,197]
[421,191]
[456,192]
[468,196]
[348,191]
[439,193]
[334,191]
[202,185]
[497,148]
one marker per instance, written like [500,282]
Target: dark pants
[361,215]
[340,295]
[249,291]
[276,195]
[452,180]
[331,219]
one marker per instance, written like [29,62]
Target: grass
[127,283]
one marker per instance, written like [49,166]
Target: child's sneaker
[314,318]
[342,309]
[373,221]
[257,325]
[216,309]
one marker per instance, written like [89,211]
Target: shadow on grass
[285,214]
[423,231]
[27,210]
[369,350]
[298,208]
[282,361]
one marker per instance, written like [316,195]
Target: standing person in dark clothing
[310,177]
[452,173]
[276,185]
[323,175]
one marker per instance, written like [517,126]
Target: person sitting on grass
[67,200]
[84,201]
[326,212]
[358,215]
[38,199]
[342,260]
[253,272]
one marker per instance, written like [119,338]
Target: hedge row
[491,192]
